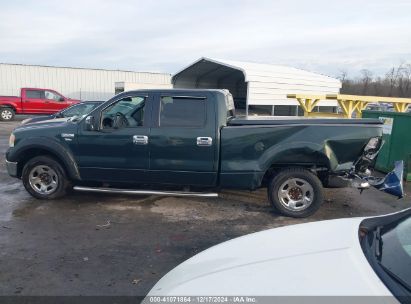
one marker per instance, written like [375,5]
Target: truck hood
[72,101]
[42,124]
[319,258]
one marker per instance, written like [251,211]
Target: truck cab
[133,131]
[44,101]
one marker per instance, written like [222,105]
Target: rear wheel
[6,114]
[295,192]
[44,178]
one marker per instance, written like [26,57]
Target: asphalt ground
[120,245]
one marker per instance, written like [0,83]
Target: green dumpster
[397,138]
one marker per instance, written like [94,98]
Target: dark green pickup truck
[176,142]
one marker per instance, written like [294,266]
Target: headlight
[11,140]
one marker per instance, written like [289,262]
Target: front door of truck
[183,144]
[118,151]
[55,102]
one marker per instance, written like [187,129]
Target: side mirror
[62,99]
[90,123]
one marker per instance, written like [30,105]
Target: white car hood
[319,258]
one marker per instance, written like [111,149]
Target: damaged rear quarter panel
[247,152]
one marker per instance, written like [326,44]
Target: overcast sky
[167,35]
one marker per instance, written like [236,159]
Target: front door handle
[140,140]
[204,141]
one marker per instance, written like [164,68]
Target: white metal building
[80,83]
[255,83]
[123,86]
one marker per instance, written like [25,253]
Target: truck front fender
[34,146]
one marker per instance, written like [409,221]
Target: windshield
[395,251]
[79,110]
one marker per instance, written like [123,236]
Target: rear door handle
[140,140]
[204,141]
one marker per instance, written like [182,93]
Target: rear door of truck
[183,141]
[33,102]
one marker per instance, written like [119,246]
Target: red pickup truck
[33,101]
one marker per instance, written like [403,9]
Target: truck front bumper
[11,168]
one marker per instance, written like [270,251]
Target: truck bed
[298,120]
[250,146]
[8,98]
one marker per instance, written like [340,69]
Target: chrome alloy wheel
[43,179]
[6,114]
[296,194]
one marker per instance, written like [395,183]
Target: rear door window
[35,94]
[182,111]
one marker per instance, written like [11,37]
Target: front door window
[53,96]
[126,112]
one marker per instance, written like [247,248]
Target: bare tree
[366,78]
[392,78]
[343,76]
[395,83]
[406,80]
[377,86]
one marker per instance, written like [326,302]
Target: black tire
[308,192]
[7,114]
[54,173]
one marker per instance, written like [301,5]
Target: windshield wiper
[378,242]
[395,277]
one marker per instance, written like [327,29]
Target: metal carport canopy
[257,83]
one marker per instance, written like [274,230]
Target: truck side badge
[67,136]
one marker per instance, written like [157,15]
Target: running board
[145,192]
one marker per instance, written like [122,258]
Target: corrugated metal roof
[260,71]
[80,68]
[81,83]
[265,84]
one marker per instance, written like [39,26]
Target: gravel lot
[89,244]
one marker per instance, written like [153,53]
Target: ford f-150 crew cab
[33,101]
[161,140]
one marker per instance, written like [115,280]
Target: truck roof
[223,91]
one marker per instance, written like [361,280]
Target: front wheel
[6,114]
[295,192]
[44,178]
